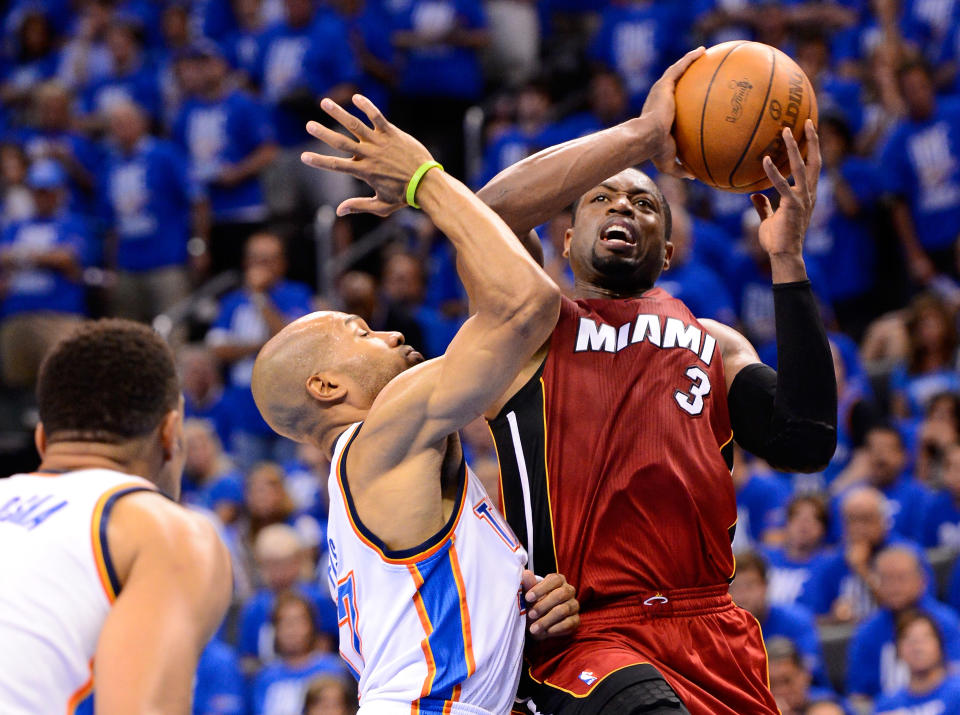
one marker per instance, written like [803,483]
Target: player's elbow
[536,309]
[803,447]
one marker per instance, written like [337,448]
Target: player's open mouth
[619,233]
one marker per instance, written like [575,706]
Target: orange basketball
[732,105]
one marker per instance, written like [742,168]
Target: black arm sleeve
[789,417]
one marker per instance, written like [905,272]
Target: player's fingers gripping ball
[732,105]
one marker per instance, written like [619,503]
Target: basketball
[732,105]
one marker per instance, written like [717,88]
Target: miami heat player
[616,441]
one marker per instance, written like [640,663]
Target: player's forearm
[534,190]
[504,280]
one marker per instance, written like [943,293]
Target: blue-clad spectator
[882,464]
[726,209]
[132,78]
[521,138]
[219,688]
[608,106]
[52,136]
[331,695]
[438,43]
[242,45]
[901,584]
[749,591]
[229,139]
[152,205]
[792,564]
[921,165]
[41,261]
[637,39]
[837,96]
[931,688]
[35,59]
[307,481]
[931,351]
[84,57]
[370,28]
[856,44]
[248,318]
[171,75]
[790,682]
[209,478]
[282,565]
[761,500]
[203,391]
[941,520]
[280,687]
[840,235]
[17,199]
[840,588]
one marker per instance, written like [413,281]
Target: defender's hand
[782,232]
[383,156]
[661,108]
[551,607]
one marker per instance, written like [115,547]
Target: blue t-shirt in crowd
[256,630]
[226,488]
[919,389]
[33,288]
[219,688]
[572,127]
[140,85]
[761,503]
[941,521]
[306,489]
[873,649]
[506,149]
[711,246]
[787,578]
[701,289]
[372,26]
[943,699]
[279,688]
[39,144]
[149,195]
[921,163]
[726,208]
[240,321]
[797,624]
[637,41]
[241,49]
[219,134]
[304,61]
[844,246]
[438,70]
[218,410]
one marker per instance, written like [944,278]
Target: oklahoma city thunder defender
[614,442]
[109,588]
[426,576]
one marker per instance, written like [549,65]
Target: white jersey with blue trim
[57,585]
[437,629]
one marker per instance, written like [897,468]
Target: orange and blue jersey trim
[80,696]
[424,551]
[441,603]
[98,535]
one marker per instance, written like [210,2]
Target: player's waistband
[668,603]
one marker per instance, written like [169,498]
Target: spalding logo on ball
[732,105]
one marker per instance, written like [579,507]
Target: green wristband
[417,178]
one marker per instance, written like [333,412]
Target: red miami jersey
[615,457]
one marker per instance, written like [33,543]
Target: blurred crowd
[149,168]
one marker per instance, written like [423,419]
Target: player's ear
[326,389]
[567,238]
[171,434]
[40,439]
[667,254]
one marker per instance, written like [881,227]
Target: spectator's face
[824,708]
[864,520]
[265,496]
[332,700]
[951,471]
[917,89]
[191,75]
[13,165]
[832,146]
[813,57]
[35,35]
[278,572]
[359,294]
[900,580]
[264,264]
[47,201]
[122,45]
[887,457]
[607,98]
[930,331]
[202,452]
[402,280]
[295,634]
[789,684]
[53,109]
[199,376]
[533,106]
[804,528]
[918,647]
[127,125]
[176,27]
[299,12]
[247,12]
[749,591]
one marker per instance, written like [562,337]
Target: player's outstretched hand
[661,107]
[382,155]
[552,609]
[782,232]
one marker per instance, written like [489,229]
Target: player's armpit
[176,584]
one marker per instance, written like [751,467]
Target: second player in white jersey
[438,629]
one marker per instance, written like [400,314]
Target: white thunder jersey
[56,585]
[435,629]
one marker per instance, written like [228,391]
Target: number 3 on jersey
[691,401]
